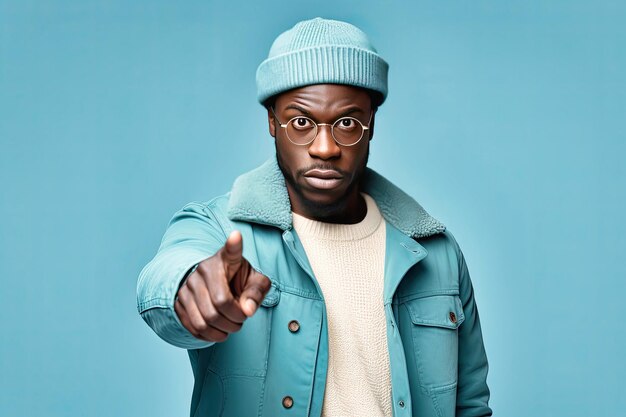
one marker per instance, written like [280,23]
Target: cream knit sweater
[348,262]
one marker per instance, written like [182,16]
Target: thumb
[232,254]
[256,287]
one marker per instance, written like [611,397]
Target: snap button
[287,402]
[294,326]
[401,403]
[452,317]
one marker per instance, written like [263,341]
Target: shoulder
[215,204]
[196,214]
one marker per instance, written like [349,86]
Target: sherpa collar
[260,196]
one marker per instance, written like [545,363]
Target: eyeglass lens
[303,130]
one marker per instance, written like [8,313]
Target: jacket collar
[260,196]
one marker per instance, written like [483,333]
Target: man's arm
[472,390]
[191,236]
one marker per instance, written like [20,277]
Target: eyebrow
[350,110]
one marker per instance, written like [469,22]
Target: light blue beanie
[320,51]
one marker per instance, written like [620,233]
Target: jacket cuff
[157,288]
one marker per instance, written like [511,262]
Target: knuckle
[198,324]
[211,316]
[183,295]
[221,299]
[203,267]
[194,283]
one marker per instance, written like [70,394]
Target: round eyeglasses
[302,130]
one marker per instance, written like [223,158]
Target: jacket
[437,357]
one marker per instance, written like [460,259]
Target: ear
[271,122]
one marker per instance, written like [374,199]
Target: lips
[323,179]
[323,173]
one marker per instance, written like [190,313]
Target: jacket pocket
[436,320]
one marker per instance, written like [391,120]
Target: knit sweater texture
[348,263]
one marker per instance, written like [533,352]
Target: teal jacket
[437,358]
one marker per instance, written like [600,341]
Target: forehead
[325,97]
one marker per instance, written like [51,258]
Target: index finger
[257,286]
[232,253]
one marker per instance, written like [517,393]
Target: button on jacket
[276,364]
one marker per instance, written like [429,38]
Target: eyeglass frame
[332,127]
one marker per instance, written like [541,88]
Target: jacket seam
[443,388]
[221,380]
[299,292]
[270,315]
[314,374]
[207,207]
[424,294]
[153,303]
[435,399]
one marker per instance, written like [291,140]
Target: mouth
[323,179]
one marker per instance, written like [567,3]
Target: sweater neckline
[306,227]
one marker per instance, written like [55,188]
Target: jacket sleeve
[472,390]
[192,235]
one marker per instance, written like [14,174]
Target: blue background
[505,120]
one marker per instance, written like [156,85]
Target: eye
[302,123]
[346,123]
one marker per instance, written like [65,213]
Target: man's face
[322,177]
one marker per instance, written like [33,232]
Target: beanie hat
[320,51]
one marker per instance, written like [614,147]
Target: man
[315,286]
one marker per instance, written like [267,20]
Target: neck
[349,210]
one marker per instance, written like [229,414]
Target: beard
[322,209]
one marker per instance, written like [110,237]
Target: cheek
[290,156]
[359,157]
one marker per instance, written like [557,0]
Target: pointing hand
[221,293]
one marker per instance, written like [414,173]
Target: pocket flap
[272,297]
[437,310]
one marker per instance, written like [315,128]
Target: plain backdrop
[505,120]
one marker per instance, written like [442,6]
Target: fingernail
[251,305]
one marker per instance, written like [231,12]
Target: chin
[323,200]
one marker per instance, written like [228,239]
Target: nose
[324,146]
